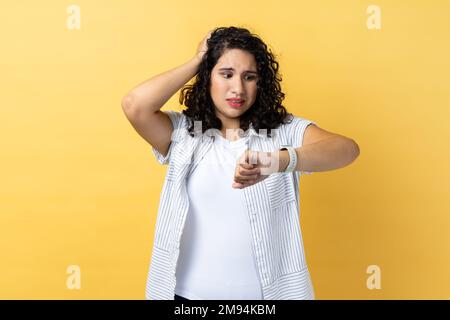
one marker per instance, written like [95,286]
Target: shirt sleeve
[297,132]
[176,118]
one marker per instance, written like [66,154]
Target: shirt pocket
[280,188]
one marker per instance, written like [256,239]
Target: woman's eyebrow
[228,69]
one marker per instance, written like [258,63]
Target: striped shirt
[272,205]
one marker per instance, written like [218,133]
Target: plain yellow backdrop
[80,187]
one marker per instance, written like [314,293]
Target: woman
[228,225]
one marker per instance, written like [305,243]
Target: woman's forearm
[153,93]
[329,154]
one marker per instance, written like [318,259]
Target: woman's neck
[231,134]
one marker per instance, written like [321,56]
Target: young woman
[228,221]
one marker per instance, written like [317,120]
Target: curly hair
[267,112]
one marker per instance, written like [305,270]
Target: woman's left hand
[253,167]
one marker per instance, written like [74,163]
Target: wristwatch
[292,158]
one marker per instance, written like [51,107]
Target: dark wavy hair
[267,112]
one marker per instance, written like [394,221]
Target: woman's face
[233,77]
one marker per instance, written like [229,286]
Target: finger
[246,166]
[244,163]
[246,184]
[236,185]
[240,185]
[248,160]
[244,179]
[251,157]
[243,174]
[250,172]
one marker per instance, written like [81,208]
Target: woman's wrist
[283,160]
[197,59]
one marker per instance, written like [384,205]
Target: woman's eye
[247,77]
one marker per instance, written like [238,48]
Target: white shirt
[272,206]
[216,259]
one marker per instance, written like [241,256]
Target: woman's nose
[238,87]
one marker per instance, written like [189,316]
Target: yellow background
[80,187]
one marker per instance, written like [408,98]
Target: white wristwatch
[292,158]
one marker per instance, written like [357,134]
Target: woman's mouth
[235,103]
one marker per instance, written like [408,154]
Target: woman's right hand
[203,46]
